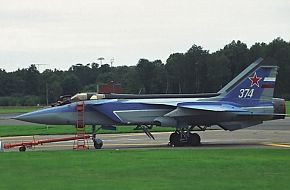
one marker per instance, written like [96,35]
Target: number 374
[246,93]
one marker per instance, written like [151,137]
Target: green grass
[65,129]
[249,169]
[18,109]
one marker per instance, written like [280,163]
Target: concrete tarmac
[269,134]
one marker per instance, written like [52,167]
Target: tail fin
[252,86]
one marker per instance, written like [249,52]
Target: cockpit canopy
[87,96]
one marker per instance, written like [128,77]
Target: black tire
[98,144]
[174,140]
[22,149]
[194,139]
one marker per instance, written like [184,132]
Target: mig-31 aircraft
[245,101]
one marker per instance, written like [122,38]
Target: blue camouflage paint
[109,108]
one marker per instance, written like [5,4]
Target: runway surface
[269,134]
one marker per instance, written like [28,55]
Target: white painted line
[270,79]
[278,145]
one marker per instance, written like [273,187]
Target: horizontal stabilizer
[212,107]
[235,125]
[260,114]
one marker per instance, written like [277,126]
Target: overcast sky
[61,33]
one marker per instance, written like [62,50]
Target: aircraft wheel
[193,139]
[22,149]
[98,143]
[174,140]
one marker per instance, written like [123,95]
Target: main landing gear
[182,137]
[98,143]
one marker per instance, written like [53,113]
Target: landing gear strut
[98,143]
[182,137]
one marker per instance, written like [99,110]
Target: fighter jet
[245,101]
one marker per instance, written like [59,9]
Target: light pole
[101,60]
[112,61]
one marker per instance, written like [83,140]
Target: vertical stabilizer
[252,86]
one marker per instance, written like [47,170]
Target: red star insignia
[255,80]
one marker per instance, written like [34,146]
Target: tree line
[195,71]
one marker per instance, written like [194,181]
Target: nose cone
[52,116]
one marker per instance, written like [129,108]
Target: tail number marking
[246,93]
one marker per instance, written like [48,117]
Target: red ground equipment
[80,141]
[23,145]
[80,138]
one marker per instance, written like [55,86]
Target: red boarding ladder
[81,140]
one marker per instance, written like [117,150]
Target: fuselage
[153,111]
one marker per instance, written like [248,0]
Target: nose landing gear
[98,143]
